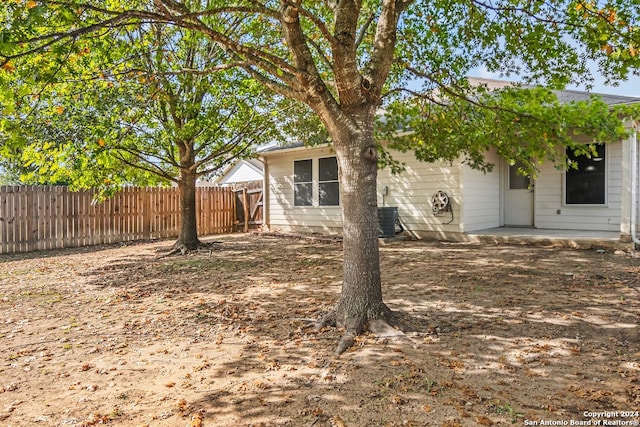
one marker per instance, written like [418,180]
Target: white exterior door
[518,199]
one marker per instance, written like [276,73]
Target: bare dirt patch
[503,335]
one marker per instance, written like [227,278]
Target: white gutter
[284,149]
[634,185]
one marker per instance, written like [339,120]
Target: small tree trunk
[188,237]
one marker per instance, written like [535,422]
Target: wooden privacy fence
[42,217]
[249,205]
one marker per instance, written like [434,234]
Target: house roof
[293,146]
[576,95]
[257,164]
[564,96]
[287,146]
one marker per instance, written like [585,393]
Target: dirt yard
[503,335]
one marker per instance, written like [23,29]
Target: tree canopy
[135,109]
[345,59]
[139,106]
[334,49]
[524,126]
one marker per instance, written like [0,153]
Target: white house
[302,192]
[241,171]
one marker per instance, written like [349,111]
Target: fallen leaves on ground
[116,335]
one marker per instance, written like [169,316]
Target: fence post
[146,212]
[245,202]
[31,219]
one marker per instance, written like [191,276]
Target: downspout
[634,185]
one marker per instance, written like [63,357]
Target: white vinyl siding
[283,215]
[476,197]
[242,171]
[481,196]
[553,213]
[411,192]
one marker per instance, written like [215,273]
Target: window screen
[302,183]
[329,189]
[586,184]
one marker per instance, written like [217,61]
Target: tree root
[326,320]
[183,249]
[178,248]
[347,340]
[386,327]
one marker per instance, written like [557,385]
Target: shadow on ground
[496,335]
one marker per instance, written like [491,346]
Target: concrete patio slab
[579,239]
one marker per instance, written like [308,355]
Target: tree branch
[53,38]
[377,70]
[365,28]
[308,76]
[347,75]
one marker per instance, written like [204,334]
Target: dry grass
[502,334]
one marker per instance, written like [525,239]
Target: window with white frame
[328,187]
[327,190]
[518,181]
[586,185]
[303,182]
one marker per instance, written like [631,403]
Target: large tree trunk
[361,298]
[188,237]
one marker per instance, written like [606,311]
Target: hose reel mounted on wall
[441,203]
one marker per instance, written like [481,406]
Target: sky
[630,87]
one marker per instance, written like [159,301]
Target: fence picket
[40,217]
[3,219]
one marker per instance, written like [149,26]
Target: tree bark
[188,237]
[361,297]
